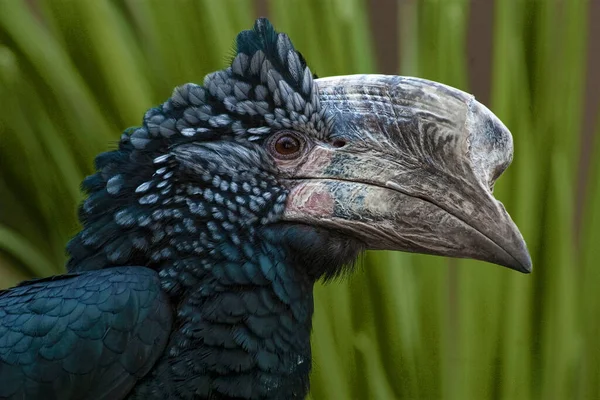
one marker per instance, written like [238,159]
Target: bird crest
[267,87]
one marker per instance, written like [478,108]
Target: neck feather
[242,332]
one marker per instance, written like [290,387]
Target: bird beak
[415,174]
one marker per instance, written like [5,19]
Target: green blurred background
[74,74]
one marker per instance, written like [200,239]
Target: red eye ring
[286,145]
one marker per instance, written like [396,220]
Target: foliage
[74,74]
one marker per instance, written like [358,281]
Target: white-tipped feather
[240,64]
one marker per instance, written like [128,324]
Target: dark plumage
[82,335]
[205,231]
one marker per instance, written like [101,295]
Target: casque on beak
[416,173]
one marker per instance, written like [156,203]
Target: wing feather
[86,335]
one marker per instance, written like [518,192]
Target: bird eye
[286,145]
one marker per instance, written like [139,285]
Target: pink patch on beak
[309,198]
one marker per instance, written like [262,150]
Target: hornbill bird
[205,231]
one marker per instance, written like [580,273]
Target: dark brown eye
[287,146]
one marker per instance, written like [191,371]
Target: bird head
[326,167]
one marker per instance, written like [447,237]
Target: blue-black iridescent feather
[184,283]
